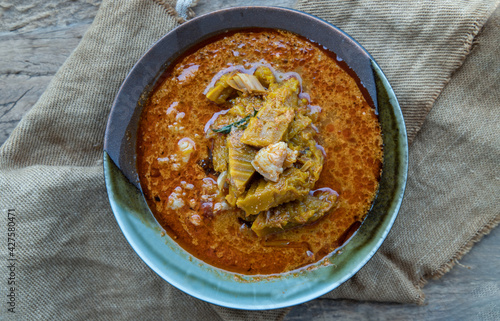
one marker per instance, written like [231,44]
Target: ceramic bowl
[192,275]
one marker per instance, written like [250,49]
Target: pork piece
[262,195]
[273,120]
[270,160]
[296,213]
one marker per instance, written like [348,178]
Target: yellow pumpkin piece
[221,90]
[285,93]
[273,120]
[311,156]
[265,76]
[240,157]
[293,214]
[269,126]
[299,124]
[245,105]
[220,153]
[262,195]
[314,160]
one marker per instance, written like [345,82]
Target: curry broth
[348,130]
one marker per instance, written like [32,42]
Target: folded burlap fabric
[74,263]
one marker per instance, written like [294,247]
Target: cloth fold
[73,260]
[418,44]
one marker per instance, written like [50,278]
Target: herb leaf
[242,123]
[223,130]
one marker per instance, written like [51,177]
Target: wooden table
[35,39]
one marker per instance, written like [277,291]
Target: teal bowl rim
[234,290]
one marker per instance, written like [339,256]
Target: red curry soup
[259,153]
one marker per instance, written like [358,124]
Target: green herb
[242,123]
[223,130]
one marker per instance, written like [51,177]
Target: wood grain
[37,37]
[30,60]
[470,291]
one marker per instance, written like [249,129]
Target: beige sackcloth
[74,263]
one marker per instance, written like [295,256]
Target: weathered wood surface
[470,291]
[37,36]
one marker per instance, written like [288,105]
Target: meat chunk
[299,124]
[270,160]
[291,158]
[221,90]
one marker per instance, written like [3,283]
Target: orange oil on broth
[348,130]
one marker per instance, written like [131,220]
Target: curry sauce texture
[259,153]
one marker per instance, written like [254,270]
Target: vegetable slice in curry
[258,152]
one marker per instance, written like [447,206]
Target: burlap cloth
[74,263]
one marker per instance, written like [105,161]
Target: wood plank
[20,16]
[29,61]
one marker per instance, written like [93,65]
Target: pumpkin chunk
[265,76]
[299,124]
[292,214]
[219,153]
[273,120]
[262,195]
[311,157]
[240,158]
[221,91]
